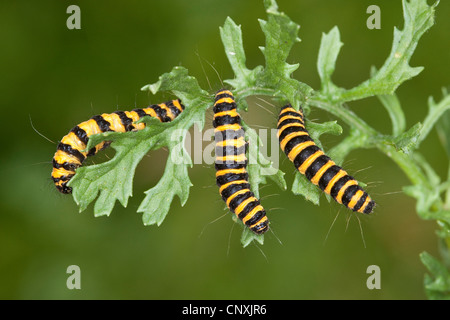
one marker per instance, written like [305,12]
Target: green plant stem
[412,171]
[350,118]
[366,89]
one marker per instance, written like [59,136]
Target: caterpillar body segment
[71,152]
[231,164]
[312,162]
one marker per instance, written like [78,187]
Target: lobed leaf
[318,129]
[281,33]
[302,186]
[112,180]
[437,285]
[175,181]
[408,141]
[418,17]
[231,36]
[435,112]
[330,46]
[248,237]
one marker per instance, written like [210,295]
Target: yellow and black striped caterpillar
[231,164]
[311,161]
[70,155]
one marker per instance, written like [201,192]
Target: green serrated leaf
[317,129]
[302,186]
[183,85]
[248,237]
[112,179]
[281,34]
[275,79]
[175,182]
[242,105]
[437,285]
[231,36]
[435,112]
[418,17]
[330,46]
[271,6]
[429,205]
[177,80]
[407,141]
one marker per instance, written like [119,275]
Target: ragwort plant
[107,182]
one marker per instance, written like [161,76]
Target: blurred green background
[58,77]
